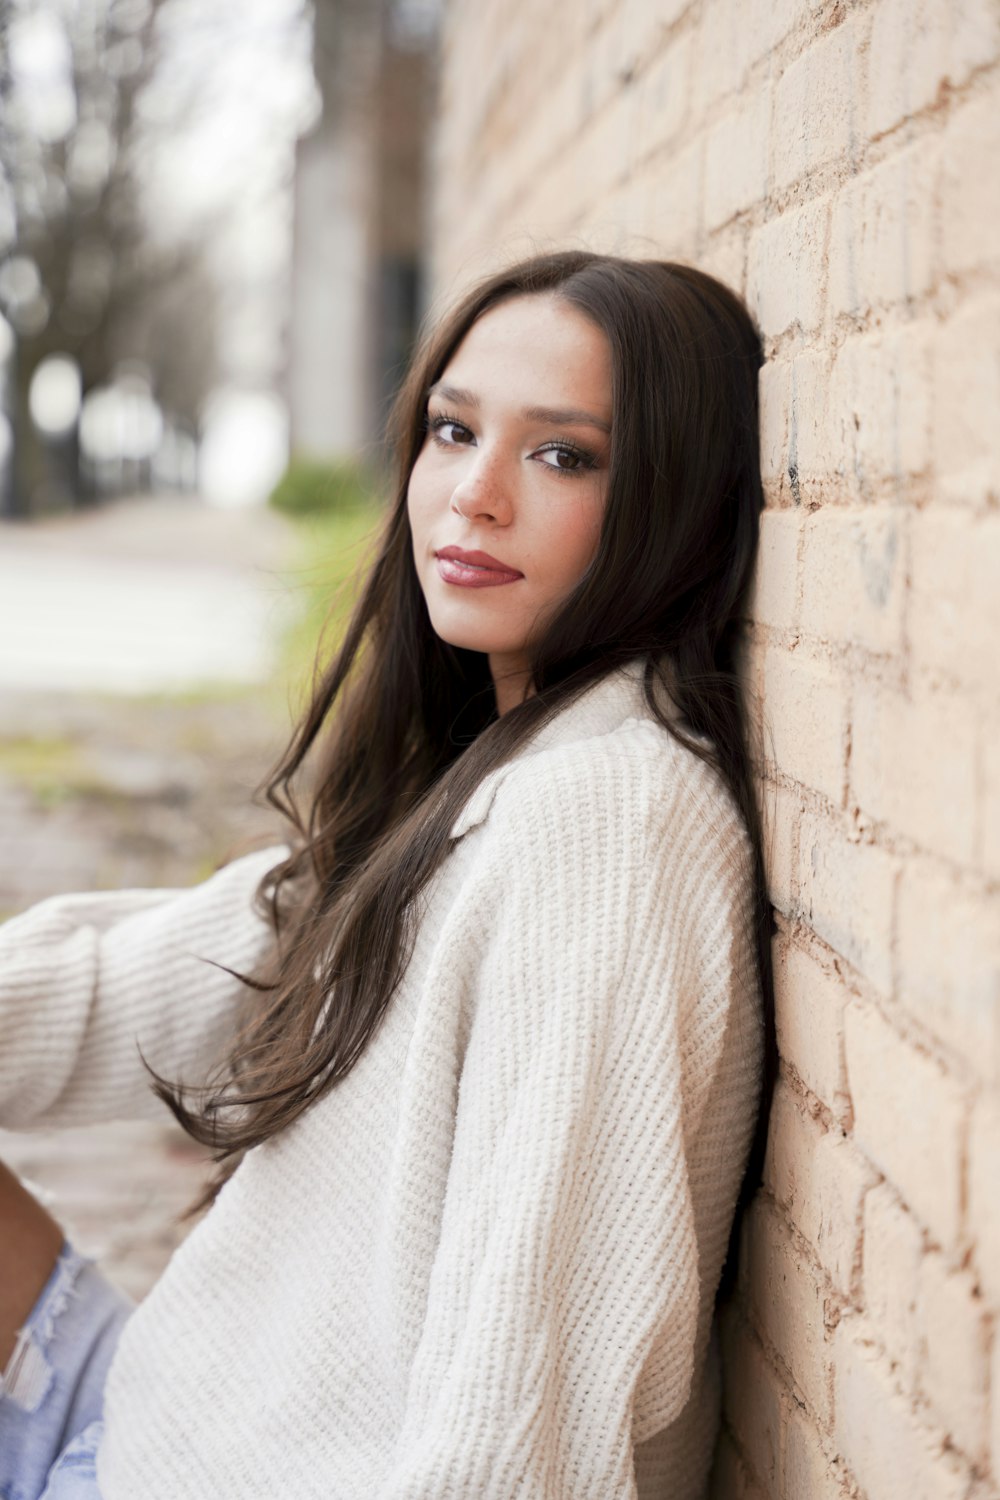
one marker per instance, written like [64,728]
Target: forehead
[535,349]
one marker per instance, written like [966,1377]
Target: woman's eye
[449,432]
[566,460]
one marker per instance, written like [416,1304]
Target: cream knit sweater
[483,1266]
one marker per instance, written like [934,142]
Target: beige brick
[846,895]
[729,1479]
[956,1354]
[917,46]
[989,764]
[809,1012]
[779,815]
[774,596]
[736,159]
[888,1450]
[805,705]
[970,188]
[908,1118]
[811,453]
[882,233]
[774,395]
[949,963]
[664,94]
[814,103]
[995,1404]
[671,196]
[880,407]
[725,255]
[930,797]
[719,60]
[820,1181]
[789,1306]
[984,1194]
[954,617]
[890,1270]
[966,410]
[751,1389]
[787,272]
[808,1473]
[853,576]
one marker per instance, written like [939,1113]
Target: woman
[491,1038]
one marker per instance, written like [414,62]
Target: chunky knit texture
[483,1265]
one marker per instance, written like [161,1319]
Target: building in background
[360,224]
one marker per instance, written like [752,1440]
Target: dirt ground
[119,789]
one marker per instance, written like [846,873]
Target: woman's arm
[562,1308]
[86,980]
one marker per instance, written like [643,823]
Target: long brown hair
[404,726]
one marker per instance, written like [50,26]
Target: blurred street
[168,617]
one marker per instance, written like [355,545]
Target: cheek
[574,541]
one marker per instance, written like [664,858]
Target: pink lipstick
[473,570]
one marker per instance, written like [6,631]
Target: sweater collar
[600,709]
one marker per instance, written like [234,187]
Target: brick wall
[837,163]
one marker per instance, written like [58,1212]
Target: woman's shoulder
[630,788]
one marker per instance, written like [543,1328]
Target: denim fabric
[52,1392]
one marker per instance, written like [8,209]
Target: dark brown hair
[403,726]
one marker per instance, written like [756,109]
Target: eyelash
[588,461]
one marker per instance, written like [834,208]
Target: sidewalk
[164,616]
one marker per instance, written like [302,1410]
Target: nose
[483,493]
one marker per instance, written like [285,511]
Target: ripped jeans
[52,1391]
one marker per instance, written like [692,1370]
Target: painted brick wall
[839,164]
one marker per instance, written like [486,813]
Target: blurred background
[211,233]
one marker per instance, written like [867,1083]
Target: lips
[475,570]
[477,560]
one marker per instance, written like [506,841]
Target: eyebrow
[557,416]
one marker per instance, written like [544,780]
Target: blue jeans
[52,1392]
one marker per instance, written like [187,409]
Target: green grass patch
[334,553]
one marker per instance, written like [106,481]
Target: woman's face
[508,492]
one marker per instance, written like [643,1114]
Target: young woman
[482,1061]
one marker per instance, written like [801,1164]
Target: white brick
[880,407]
[789,1305]
[956,1365]
[814,103]
[917,46]
[913,764]
[774,595]
[805,706]
[809,1012]
[736,159]
[854,575]
[966,412]
[908,1117]
[786,274]
[846,895]
[752,1402]
[954,618]
[888,1450]
[893,1248]
[984,1194]
[949,963]
[820,1182]
[882,233]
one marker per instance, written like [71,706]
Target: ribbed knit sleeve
[563,1301]
[86,980]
